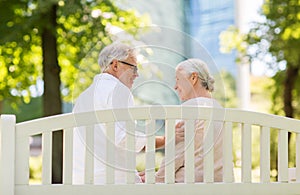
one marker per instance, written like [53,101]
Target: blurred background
[49,49]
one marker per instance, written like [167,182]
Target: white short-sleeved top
[198,146]
[105,92]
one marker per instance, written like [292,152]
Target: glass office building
[206,20]
[182,29]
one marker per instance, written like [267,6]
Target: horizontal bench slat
[166,189]
[63,121]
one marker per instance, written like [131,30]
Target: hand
[179,131]
[142,175]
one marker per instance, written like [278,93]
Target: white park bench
[15,152]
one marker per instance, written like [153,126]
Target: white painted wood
[246,153]
[292,174]
[7,154]
[22,159]
[130,152]
[33,127]
[150,152]
[189,162]
[89,155]
[62,121]
[227,153]
[208,152]
[264,154]
[298,157]
[68,156]
[46,158]
[110,153]
[162,189]
[261,119]
[170,151]
[283,156]
[150,113]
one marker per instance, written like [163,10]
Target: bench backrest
[15,150]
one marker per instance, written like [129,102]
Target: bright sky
[249,13]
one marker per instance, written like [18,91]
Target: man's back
[105,92]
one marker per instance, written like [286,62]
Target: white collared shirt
[105,92]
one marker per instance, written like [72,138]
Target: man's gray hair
[198,66]
[118,51]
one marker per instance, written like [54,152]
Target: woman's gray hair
[198,66]
[118,51]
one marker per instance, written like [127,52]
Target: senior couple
[111,89]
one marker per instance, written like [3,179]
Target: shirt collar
[107,76]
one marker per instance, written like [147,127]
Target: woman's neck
[202,92]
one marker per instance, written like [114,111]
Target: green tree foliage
[277,41]
[226,96]
[81,27]
[47,40]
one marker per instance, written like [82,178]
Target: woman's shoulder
[203,101]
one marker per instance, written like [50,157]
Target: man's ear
[114,65]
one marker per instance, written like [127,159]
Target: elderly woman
[194,85]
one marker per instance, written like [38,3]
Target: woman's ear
[194,78]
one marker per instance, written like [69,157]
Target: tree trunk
[1,106]
[52,97]
[289,84]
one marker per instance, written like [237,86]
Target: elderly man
[110,89]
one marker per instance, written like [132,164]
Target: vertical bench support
[7,154]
